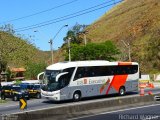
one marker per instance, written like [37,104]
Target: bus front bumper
[54,96]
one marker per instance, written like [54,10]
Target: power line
[27,16]
[64,17]
[45,24]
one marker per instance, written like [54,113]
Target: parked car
[33,89]
[14,92]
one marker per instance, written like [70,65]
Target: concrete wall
[70,111]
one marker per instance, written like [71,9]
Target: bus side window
[86,72]
[92,74]
[79,73]
[79,76]
[70,72]
[82,72]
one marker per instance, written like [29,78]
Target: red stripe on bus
[118,80]
[125,63]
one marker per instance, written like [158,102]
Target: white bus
[79,79]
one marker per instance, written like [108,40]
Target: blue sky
[13,9]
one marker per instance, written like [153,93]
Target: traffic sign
[23,104]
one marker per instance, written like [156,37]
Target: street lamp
[129,49]
[51,41]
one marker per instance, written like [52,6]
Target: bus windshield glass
[50,82]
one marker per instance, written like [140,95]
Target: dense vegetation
[136,22]
[93,51]
[82,49]
[18,52]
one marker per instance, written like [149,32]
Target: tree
[94,51]
[33,69]
[7,28]
[73,33]
[17,52]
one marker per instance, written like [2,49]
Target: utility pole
[51,44]
[129,50]
[69,49]
[85,40]
[84,36]
[51,41]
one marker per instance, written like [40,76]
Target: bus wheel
[122,91]
[77,96]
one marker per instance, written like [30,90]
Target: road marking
[121,110]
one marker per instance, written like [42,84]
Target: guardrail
[64,112]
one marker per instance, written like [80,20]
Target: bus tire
[122,91]
[76,96]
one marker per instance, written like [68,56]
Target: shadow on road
[89,98]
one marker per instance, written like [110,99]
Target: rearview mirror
[40,75]
[59,75]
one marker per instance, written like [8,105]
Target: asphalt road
[150,112]
[35,104]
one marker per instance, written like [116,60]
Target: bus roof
[64,65]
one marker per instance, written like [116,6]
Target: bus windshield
[50,82]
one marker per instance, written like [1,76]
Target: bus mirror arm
[59,75]
[38,76]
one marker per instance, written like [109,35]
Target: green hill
[136,22]
[17,52]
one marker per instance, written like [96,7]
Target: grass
[2,101]
[136,22]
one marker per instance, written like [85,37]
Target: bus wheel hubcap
[121,91]
[76,96]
